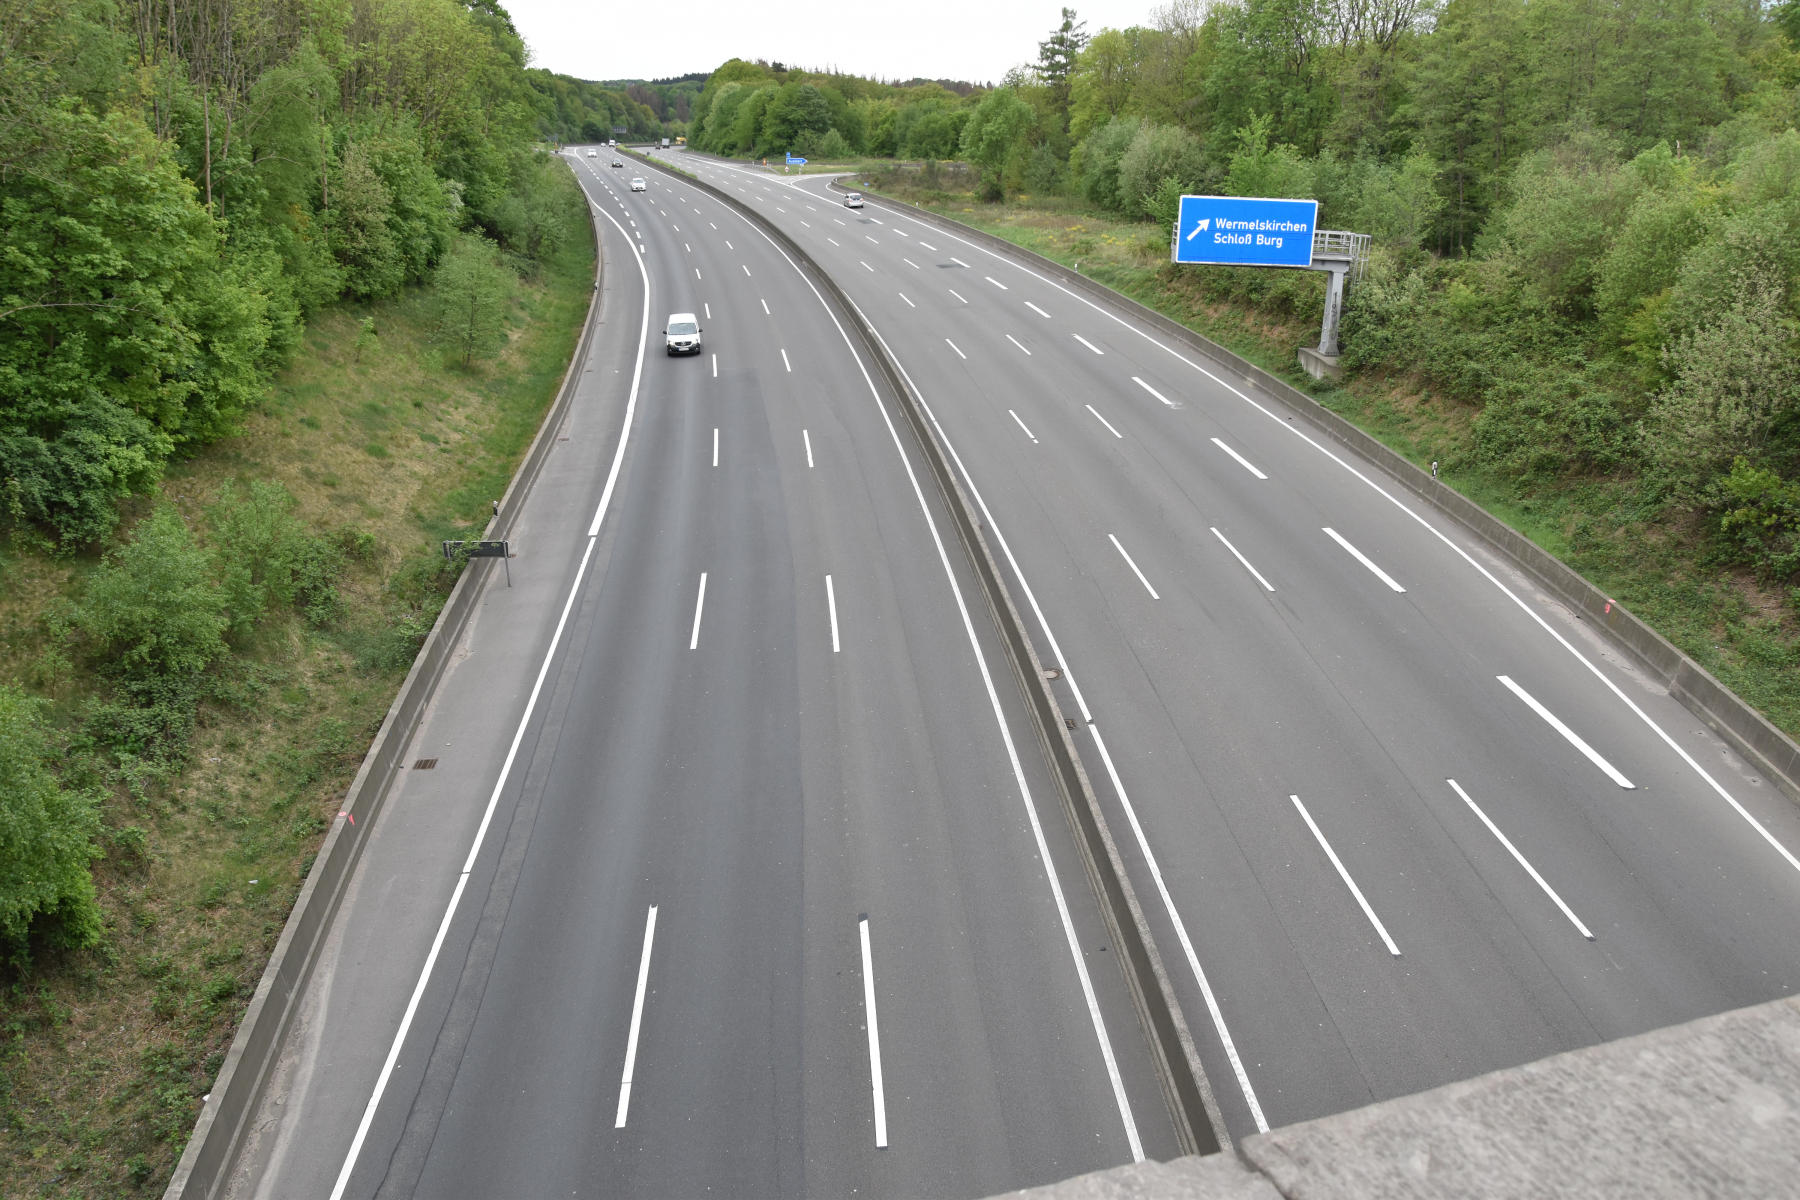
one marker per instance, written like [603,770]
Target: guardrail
[237,1091]
[1770,751]
[1194,1112]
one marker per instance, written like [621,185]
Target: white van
[682,334]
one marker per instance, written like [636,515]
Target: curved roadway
[1390,789]
[738,871]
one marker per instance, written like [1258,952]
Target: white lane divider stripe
[1529,869]
[1134,568]
[1028,433]
[637,1018]
[699,607]
[959,262]
[765,305]
[1088,344]
[865,265]
[1574,738]
[1242,461]
[1015,341]
[807,438]
[997,283]
[929,246]
[715,366]
[909,262]
[784,359]
[1267,586]
[1034,308]
[956,293]
[1154,392]
[1345,876]
[875,1084]
[715,445]
[1363,559]
[909,303]
[746,268]
[831,604]
[954,346]
[1104,422]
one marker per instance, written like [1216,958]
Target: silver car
[853,200]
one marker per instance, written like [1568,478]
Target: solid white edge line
[1088,344]
[699,607]
[1293,427]
[1242,461]
[637,375]
[1134,568]
[1574,738]
[831,604]
[1154,392]
[1529,869]
[1181,934]
[1345,876]
[1062,907]
[1105,422]
[1362,558]
[875,1084]
[1015,416]
[637,1018]
[806,437]
[1267,586]
[1015,341]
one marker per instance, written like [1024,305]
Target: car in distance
[682,334]
[853,200]
[618,162]
[637,184]
[593,154]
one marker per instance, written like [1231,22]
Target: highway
[1397,818]
[727,861]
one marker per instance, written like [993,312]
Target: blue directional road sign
[795,162]
[1245,231]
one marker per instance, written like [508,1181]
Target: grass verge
[388,445]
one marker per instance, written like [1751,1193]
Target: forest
[1584,215]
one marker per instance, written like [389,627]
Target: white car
[853,200]
[637,185]
[682,334]
[593,154]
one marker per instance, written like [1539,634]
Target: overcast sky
[976,40]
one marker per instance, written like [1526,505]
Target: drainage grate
[425,764]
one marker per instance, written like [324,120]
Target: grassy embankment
[388,447]
[1661,565]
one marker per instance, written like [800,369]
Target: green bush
[473,295]
[265,558]
[47,841]
[153,608]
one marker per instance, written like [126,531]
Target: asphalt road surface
[1389,789]
[739,871]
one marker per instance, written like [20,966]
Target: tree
[994,128]
[1057,58]
[46,840]
[473,294]
[359,223]
[1103,81]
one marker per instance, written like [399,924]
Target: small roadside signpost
[1255,231]
[500,550]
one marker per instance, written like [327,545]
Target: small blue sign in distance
[1245,231]
[795,162]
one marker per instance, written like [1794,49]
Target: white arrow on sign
[1200,228]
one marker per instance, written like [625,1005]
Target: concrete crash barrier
[1767,749]
[1706,1109]
[237,1091]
